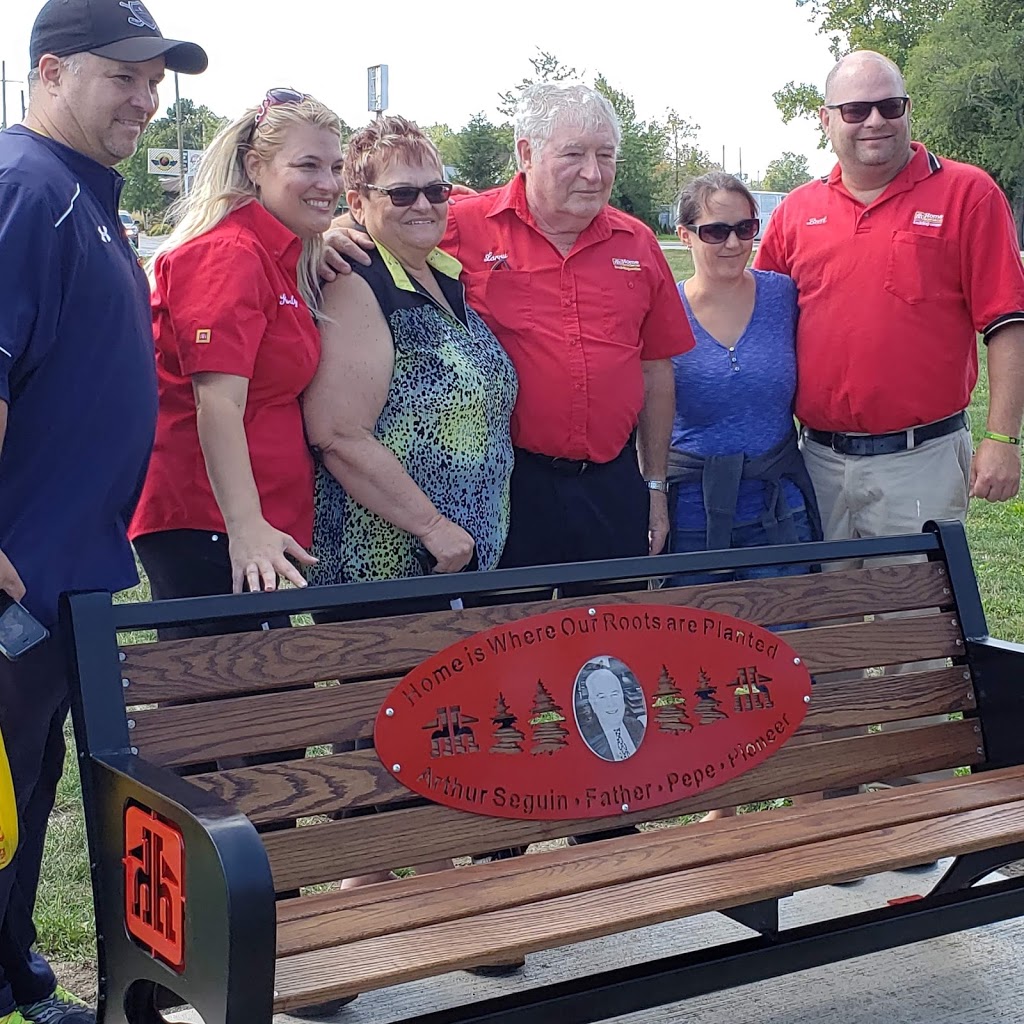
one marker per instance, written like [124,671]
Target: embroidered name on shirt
[626,264]
[496,257]
[928,220]
[815,221]
[288,300]
[203,336]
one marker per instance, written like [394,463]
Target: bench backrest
[190,703]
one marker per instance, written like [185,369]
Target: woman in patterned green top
[410,407]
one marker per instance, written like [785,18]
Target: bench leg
[971,868]
[761,917]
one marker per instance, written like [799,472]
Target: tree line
[963,63]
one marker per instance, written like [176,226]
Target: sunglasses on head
[406,195]
[717,233]
[892,109]
[274,98]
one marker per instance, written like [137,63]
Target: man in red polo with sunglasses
[900,259]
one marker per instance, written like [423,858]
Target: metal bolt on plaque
[396,767]
[390,712]
[625,807]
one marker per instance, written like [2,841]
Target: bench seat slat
[194,733]
[328,919]
[331,850]
[489,937]
[183,670]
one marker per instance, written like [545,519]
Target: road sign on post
[377,88]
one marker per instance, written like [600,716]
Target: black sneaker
[60,1008]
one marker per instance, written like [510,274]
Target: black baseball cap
[118,29]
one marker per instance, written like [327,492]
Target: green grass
[64,911]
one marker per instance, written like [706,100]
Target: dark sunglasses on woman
[406,195]
[892,109]
[717,233]
[275,98]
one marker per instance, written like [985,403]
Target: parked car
[131,228]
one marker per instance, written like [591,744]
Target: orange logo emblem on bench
[154,859]
[592,712]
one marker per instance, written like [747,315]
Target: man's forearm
[654,430]
[1006,380]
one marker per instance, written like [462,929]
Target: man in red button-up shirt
[581,297]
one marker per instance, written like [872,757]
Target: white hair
[72,64]
[545,105]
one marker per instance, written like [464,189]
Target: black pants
[194,563]
[562,515]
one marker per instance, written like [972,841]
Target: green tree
[784,173]
[639,181]
[892,27]
[482,153]
[444,139]
[546,68]
[968,82]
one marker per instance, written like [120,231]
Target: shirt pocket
[625,300]
[921,268]
[504,297]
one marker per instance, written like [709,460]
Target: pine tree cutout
[709,707]
[751,693]
[670,705]
[507,738]
[546,718]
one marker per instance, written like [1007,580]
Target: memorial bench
[186,865]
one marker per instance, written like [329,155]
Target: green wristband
[1005,438]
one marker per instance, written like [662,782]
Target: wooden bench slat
[328,919]
[183,670]
[435,949]
[193,733]
[326,852]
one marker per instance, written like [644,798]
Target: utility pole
[181,141]
[4,80]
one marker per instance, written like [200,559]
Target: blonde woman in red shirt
[228,501]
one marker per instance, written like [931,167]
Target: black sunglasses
[406,195]
[892,109]
[717,233]
[274,98]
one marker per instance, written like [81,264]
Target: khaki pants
[883,495]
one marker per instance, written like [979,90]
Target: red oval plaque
[592,712]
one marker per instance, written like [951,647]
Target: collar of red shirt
[513,197]
[282,243]
[921,165]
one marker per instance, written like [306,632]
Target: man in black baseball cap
[120,30]
[77,401]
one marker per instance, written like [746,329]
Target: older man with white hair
[581,297]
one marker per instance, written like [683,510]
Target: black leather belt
[885,444]
[564,467]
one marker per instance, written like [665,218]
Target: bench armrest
[229,915]
[997,667]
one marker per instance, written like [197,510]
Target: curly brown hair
[372,148]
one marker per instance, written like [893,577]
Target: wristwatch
[657,485]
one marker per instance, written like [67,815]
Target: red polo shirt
[892,294]
[576,327]
[227,302]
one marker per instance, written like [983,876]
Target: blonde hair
[371,148]
[222,184]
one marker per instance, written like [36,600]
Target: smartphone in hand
[19,630]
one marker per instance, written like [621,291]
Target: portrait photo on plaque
[610,708]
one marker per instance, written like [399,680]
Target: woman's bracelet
[1005,438]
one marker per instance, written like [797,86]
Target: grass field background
[64,910]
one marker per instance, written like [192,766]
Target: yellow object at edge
[8,811]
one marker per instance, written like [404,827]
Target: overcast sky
[717,63]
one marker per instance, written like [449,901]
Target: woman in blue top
[736,474]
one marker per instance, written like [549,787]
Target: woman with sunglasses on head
[738,479]
[228,502]
[410,407]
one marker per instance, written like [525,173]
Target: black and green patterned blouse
[446,419]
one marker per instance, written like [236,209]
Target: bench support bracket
[761,917]
[971,868]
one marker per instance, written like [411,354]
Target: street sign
[166,161]
[377,88]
